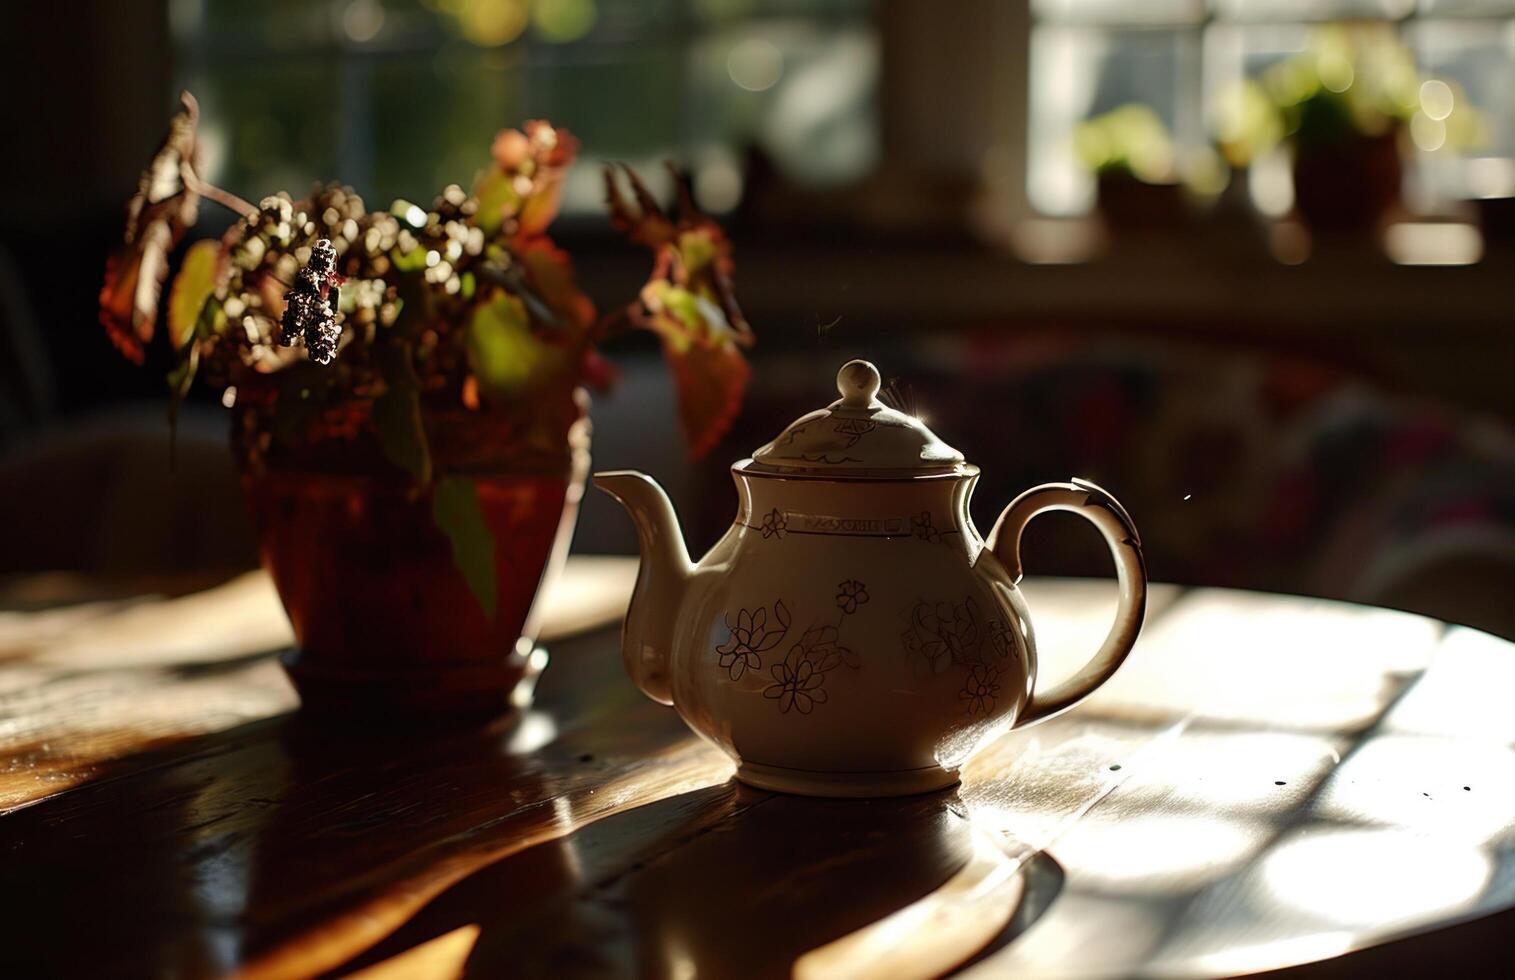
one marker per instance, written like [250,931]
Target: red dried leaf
[646,224]
[157,216]
[711,381]
[550,273]
[690,303]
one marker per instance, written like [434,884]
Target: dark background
[1330,418]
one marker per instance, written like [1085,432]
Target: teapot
[852,634]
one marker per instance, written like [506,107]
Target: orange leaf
[647,224]
[550,271]
[710,379]
[118,298]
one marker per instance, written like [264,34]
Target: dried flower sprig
[310,306]
[468,300]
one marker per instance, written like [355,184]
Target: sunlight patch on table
[1270,955]
[1034,785]
[1083,935]
[241,616]
[1383,879]
[1156,852]
[1465,692]
[1455,789]
[444,956]
[1298,664]
[1232,773]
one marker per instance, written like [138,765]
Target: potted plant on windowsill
[1342,109]
[407,390]
[1130,154]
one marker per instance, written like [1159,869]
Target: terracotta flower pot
[384,620]
[1130,206]
[1348,187]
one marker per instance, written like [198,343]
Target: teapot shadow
[725,881]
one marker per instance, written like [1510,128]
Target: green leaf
[496,195]
[192,288]
[212,320]
[179,380]
[684,307]
[411,261]
[698,250]
[501,347]
[456,509]
[397,417]
[183,374]
[397,413]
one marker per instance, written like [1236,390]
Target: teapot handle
[1102,510]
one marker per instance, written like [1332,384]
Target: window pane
[801,92]
[429,121]
[1081,72]
[1474,60]
[1111,12]
[1279,11]
[400,97]
[268,126]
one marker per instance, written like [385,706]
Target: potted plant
[1341,108]
[407,390]
[1131,155]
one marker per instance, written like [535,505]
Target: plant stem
[226,199]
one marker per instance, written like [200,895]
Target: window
[401,97]
[1181,58]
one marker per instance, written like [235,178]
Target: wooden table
[1269,781]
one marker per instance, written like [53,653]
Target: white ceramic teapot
[852,634]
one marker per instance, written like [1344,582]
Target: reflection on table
[1270,780]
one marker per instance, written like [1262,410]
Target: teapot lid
[857,436]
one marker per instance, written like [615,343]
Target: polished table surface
[1269,781]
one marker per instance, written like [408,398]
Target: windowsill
[1216,278]
[1441,329]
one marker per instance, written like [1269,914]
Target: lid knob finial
[858,383]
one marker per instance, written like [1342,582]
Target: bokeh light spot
[1436,99]
[1429,134]
[489,23]
[561,21]
[718,186]
[755,64]
[362,20]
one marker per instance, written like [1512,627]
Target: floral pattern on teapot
[798,681]
[946,635]
[941,636]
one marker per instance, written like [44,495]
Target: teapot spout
[648,636]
